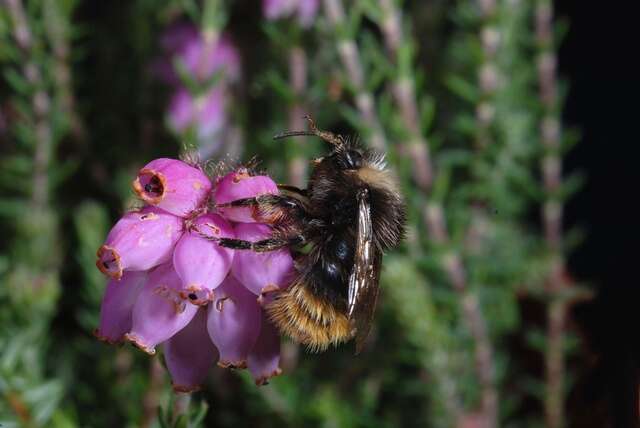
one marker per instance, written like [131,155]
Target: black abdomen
[328,277]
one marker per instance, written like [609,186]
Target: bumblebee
[349,214]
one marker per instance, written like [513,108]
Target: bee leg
[267,199]
[264,245]
[271,209]
[292,189]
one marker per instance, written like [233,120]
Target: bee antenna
[288,134]
[329,137]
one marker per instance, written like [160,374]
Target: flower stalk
[403,90]
[551,166]
[352,63]
[298,82]
[40,103]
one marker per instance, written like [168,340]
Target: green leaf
[463,88]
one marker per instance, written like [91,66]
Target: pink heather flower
[173,284]
[265,272]
[172,185]
[189,354]
[202,58]
[264,358]
[205,113]
[140,240]
[238,185]
[233,323]
[203,264]
[159,312]
[117,304]
[305,10]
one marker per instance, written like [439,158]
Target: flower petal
[189,354]
[181,110]
[172,185]
[261,272]
[159,312]
[264,358]
[117,305]
[210,114]
[238,185]
[202,264]
[140,240]
[307,10]
[233,323]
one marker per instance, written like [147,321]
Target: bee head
[347,158]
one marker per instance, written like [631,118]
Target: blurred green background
[471,329]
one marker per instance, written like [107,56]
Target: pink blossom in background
[198,107]
[304,10]
[199,300]
[202,59]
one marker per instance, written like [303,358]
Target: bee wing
[364,278]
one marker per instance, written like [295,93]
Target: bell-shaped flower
[201,263]
[200,57]
[233,323]
[172,185]
[261,273]
[205,113]
[140,240]
[305,10]
[189,354]
[159,312]
[264,359]
[241,185]
[117,305]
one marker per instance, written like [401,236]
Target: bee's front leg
[270,208]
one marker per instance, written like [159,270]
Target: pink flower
[172,185]
[117,304]
[233,323]
[172,283]
[201,58]
[189,354]
[140,240]
[159,312]
[305,10]
[264,272]
[206,114]
[202,264]
[239,185]
[208,66]
[264,358]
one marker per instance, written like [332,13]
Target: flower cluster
[304,10]
[171,283]
[209,65]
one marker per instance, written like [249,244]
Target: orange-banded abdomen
[308,318]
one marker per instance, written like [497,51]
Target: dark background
[596,61]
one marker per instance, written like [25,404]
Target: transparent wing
[365,276]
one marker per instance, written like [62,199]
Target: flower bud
[189,354]
[264,358]
[159,312]
[261,272]
[172,185]
[117,305]
[233,323]
[203,264]
[140,240]
[239,185]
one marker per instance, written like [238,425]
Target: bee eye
[353,159]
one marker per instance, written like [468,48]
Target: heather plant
[126,129]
